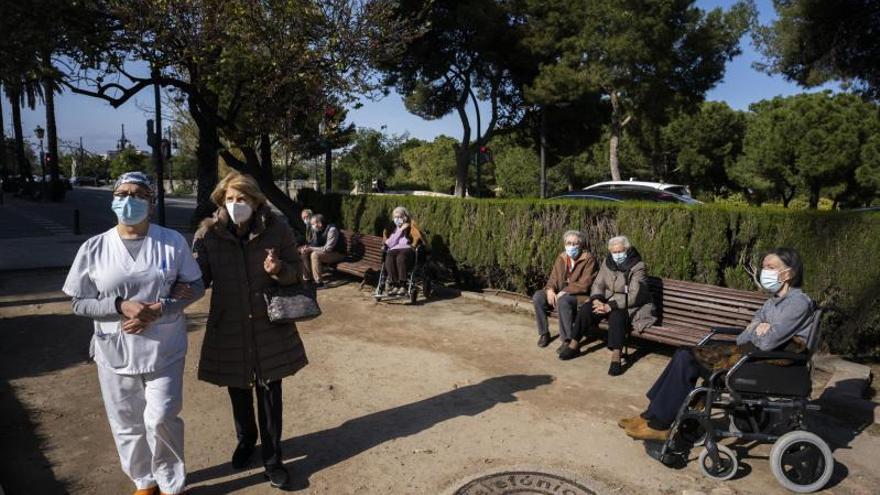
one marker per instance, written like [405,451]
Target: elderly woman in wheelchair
[762,384]
[403,259]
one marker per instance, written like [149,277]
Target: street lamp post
[40,132]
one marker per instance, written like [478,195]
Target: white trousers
[143,411]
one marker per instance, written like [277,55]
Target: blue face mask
[619,258]
[398,221]
[572,251]
[130,210]
[770,281]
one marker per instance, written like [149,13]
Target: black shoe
[615,369]
[568,353]
[277,476]
[561,347]
[242,455]
[320,285]
[544,340]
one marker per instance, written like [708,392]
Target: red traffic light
[484,149]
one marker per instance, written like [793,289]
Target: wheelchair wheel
[723,470]
[801,461]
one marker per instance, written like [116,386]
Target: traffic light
[484,155]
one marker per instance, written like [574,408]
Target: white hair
[619,239]
[402,211]
[582,239]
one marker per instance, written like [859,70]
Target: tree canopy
[647,58]
[813,42]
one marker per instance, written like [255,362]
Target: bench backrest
[363,247]
[694,305]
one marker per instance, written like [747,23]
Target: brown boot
[153,490]
[631,422]
[642,431]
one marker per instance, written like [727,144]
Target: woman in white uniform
[134,281]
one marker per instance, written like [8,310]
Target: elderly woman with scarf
[620,295]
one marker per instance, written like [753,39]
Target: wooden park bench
[687,311]
[363,254]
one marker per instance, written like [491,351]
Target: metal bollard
[76,229]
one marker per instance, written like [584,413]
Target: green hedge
[511,244]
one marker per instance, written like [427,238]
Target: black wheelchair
[759,401]
[419,279]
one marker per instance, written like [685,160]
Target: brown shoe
[153,490]
[642,431]
[631,422]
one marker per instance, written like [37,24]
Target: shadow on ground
[320,450]
[30,346]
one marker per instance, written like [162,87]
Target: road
[21,219]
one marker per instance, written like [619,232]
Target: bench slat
[719,292]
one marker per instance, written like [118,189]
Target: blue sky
[99,124]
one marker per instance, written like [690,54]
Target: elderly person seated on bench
[321,250]
[400,246]
[567,286]
[306,216]
[782,323]
[619,294]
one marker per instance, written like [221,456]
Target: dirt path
[396,400]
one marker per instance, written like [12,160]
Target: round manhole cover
[523,483]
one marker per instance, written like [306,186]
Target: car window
[680,190]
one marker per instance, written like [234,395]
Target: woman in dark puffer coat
[242,250]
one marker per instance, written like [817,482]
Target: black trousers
[618,324]
[269,409]
[566,306]
[398,263]
[672,388]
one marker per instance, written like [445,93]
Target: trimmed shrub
[511,244]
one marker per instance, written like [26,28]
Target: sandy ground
[397,400]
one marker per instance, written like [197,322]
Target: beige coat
[241,344]
[626,286]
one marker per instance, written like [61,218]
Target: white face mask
[239,212]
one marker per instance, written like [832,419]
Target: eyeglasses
[123,195]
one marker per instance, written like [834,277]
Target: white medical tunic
[103,268]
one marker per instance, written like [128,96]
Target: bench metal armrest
[713,331]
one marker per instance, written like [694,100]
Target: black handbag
[291,303]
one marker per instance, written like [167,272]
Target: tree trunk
[786,198]
[207,152]
[24,168]
[462,162]
[814,196]
[616,128]
[56,188]
[328,170]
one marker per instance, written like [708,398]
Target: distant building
[121,144]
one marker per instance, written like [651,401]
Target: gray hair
[317,217]
[582,239]
[307,212]
[402,211]
[619,239]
